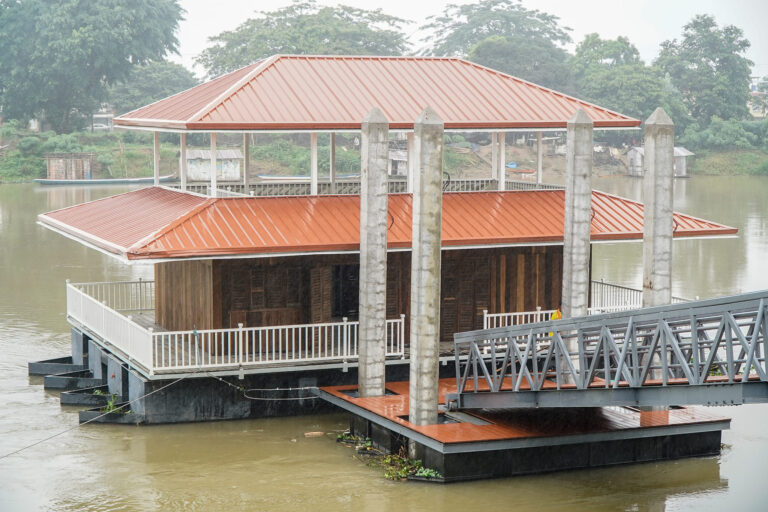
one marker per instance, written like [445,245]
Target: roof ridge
[137,247]
[260,66]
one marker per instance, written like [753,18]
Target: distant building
[635,161]
[227,164]
[69,166]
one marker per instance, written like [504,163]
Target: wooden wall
[187,294]
[296,290]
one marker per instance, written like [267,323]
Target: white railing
[101,309]
[493,320]
[605,298]
[123,296]
[112,326]
[243,346]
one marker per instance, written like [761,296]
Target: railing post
[152,348]
[402,336]
[345,337]
[485,319]
[538,313]
[240,343]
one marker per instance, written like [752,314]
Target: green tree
[611,74]
[461,27]
[304,27]
[148,83]
[538,60]
[708,66]
[57,58]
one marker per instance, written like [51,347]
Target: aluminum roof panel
[158,223]
[298,92]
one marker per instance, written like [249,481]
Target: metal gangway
[708,352]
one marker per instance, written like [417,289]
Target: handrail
[99,308]
[696,343]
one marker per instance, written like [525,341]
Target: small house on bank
[636,154]
[265,288]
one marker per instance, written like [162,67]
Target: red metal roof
[291,92]
[156,223]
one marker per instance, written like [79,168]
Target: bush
[720,134]
[65,143]
[29,146]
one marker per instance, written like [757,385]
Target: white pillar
[214,177]
[412,167]
[578,210]
[425,269]
[374,154]
[183,161]
[332,161]
[658,198]
[313,164]
[156,158]
[502,161]
[539,156]
[246,161]
[495,158]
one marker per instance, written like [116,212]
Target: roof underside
[159,223]
[336,92]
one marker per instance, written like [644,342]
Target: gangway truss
[708,352]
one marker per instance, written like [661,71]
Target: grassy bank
[731,162]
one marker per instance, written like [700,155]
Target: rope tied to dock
[246,391]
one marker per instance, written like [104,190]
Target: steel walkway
[710,352]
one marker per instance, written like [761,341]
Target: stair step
[67,381]
[53,366]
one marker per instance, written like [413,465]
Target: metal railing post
[240,343]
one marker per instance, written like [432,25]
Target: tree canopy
[611,74]
[461,27]
[709,67]
[58,58]
[304,27]
[148,83]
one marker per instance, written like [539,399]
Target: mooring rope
[90,420]
[246,392]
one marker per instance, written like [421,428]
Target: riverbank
[731,162]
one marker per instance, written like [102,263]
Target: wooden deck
[497,425]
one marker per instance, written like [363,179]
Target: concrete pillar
[372,334]
[246,161]
[425,268]
[502,161]
[412,167]
[578,209]
[156,158]
[539,156]
[214,177]
[332,161]
[313,164]
[183,161]
[657,196]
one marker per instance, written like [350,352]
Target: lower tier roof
[158,223]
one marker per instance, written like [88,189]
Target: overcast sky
[645,22]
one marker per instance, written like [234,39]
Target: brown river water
[270,464]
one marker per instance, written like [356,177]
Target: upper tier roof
[310,93]
[158,223]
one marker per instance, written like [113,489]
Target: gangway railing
[703,352]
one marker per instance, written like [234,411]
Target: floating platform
[484,443]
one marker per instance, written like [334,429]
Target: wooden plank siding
[301,289]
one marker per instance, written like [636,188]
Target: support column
[332,161]
[495,158]
[246,162]
[657,197]
[183,161]
[539,156]
[214,177]
[374,154]
[156,158]
[578,209]
[412,167]
[313,164]
[502,161]
[425,269]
